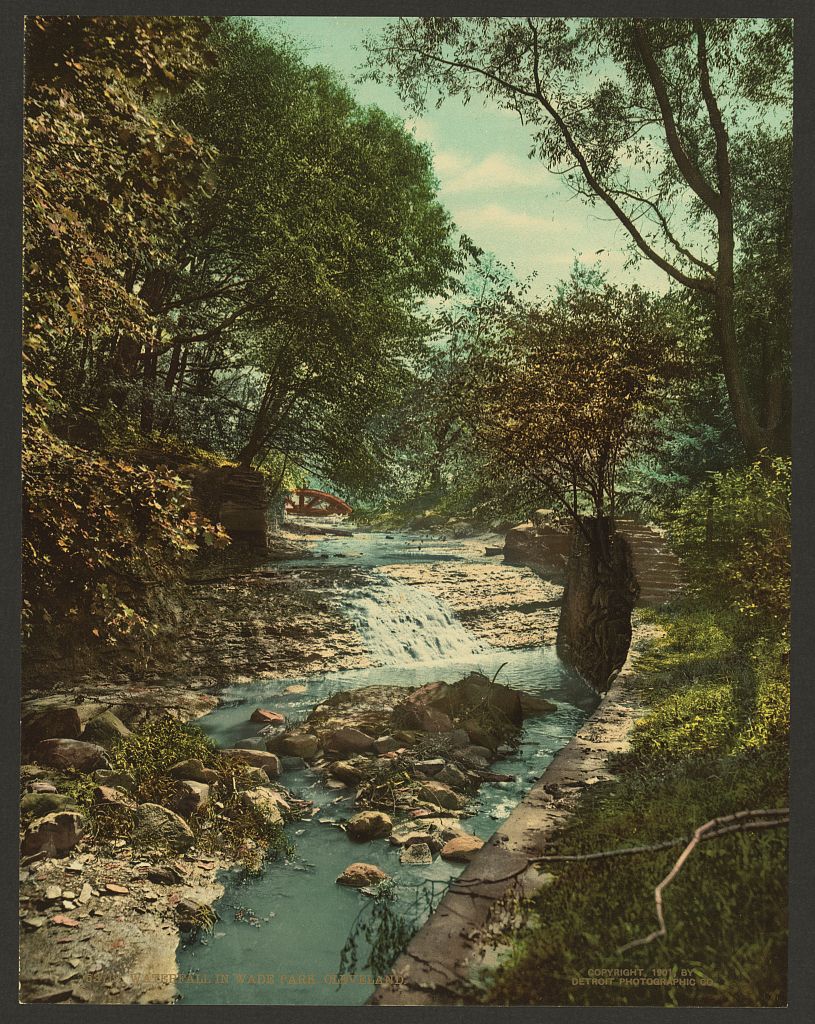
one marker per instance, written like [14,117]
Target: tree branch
[691,173]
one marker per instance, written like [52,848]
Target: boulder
[369,825]
[461,848]
[531,705]
[407,836]
[439,795]
[265,802]
[43,720]
[298,744]
[266,717]
[68,753]
[164,874]
[349,741]
[431,766]
[346,772]
[416,853]
[190,797]
[54,833]
[157,827]
[292,764]
[193,769]
[476,689]
[105,729]
[360,875]
[270,763]
[38,805]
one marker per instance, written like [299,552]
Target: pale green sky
[508,204]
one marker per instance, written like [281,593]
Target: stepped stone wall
[545,543]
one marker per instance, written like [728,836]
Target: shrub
[733,534]
[98,533]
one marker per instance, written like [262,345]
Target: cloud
[495,171]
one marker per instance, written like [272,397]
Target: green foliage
[575,392]
[715,742]
[733,534]
[98,533]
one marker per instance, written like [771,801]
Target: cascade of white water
[402,624]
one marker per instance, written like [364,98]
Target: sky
[508,204]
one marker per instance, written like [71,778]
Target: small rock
[452,776]
[359,875]
[263,801]
[41,803]
[116,890]
[118,780]
[531,705]
[66,922]
[34,922]
[114,797]
[478,754]
[156,827]
[84,894]
[438,794]
[345,771]
[349,741]
[369,825]
[303,745]
[416,853]
[190,797]
[432,766]
[251,743]
[386,745]
[41,787]
[292,764]
[68,894]
[462,848]
[266,717]
[53,892]
[270,763]
[193,769]
[164,874]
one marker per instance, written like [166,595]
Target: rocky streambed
[357,751]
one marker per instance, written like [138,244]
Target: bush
[98,533]
[733,534]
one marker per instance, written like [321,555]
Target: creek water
[279,936]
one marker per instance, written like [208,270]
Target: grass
[714,742]
[224,827]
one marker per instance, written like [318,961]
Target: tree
[293,295]
[575,391]
[651,135]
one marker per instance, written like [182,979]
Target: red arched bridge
[308,502]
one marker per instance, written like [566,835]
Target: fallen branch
[738,822]
[654,847]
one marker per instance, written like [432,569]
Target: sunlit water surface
[279,937]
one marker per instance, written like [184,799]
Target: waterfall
[403,624]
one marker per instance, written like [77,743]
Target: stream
[279,936]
